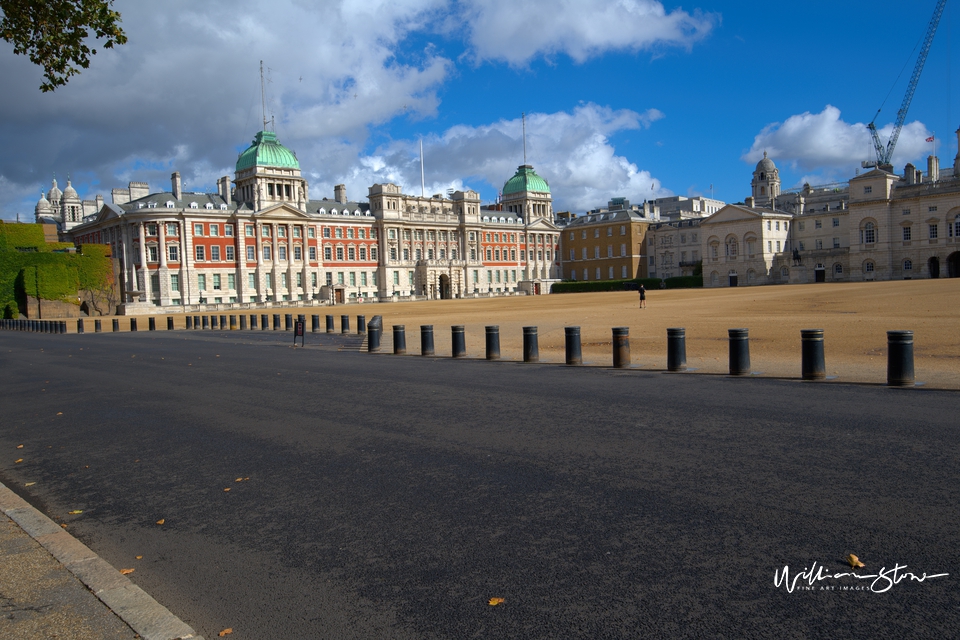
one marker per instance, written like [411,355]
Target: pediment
[732,213]
[542,224]
[280,211]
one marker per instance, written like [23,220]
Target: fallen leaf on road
[64,526]
[126,572]
[225,632]
[18,461]
[495,601]
[161,520]
[854,561]
[30,484]
[227,489]
[59,413]
[139,557]
[19,446]
[74,512]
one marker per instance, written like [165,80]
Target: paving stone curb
[129,602]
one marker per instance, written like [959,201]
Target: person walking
[643,297]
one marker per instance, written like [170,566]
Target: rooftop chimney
[177,187]
[223,186]
[750,202]
[340,193]
[933,168]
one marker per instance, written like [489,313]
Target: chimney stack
[750,202]
[177,186]
[340,193]
[223,187]
[933,168]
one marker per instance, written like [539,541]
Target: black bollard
[531,345]
[399,339]
[206,322]
[196,322]
[264,322]
[329,324]
[373,340]
[315,323]
[253,321]
[133,324]
[621,347]
[223,323]
[361,325]
[276,322]
[426,340]
[739,351]
[676,349]
[900,359]
[459,341]
[189,322]
[243,322]
[233,323]
[344,324]
[151,323]
[812,365]
[493,342]
[62,326]
[288,322]
[169,323]
[572,339]
[116,325]
[213,323]
[80,325]
[97,326]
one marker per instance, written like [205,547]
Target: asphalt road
[392,497]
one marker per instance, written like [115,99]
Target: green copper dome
[526,179]
[265,151]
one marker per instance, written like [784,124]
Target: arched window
[763,191]
[868,233]
[908,265]
[838,269]
[732,247]
[955,232]
[868,266]
[784,272]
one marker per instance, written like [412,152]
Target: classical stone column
[241,266]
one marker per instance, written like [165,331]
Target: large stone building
[261,240]
[607,244]
[64,208]
[879,226]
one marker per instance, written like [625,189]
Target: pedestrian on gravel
[643,297]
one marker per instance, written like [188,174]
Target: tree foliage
[54,34]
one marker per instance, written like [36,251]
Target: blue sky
[633,98]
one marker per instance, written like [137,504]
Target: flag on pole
[930,139]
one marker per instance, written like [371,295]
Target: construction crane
[885,153]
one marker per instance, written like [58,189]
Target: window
[598,274]
[215,252]
[231,281]
[214,230]
[198,229]
[251,254]
[313,253]
[931,209]
[769,247]
[778,246]
[363,278]
[350,233]
[777,225]
[281,232]
[228,230]
[327,253]
[769,226]
[296,232]
[609,250]
[201,252]
[868,266]
[216,282]
[326,232]
[836,243]
[801,245]
[906,212]
[836,222]
[907,265]
[801,225]
[610,273]
[907,233]
[868,235]
[339,253]
[596,234]
[299,280]
[351,253]
[248,230]
[298,253]
[265,231]
[284,281]
[571,237]
[586,274]
[623,271]
[523,254]
[609,231]
[623,230]
[172,229]
[265,252]
[393,253]
[252,280]
[596,252]
[153,254]
[867,189]
[173,254]
[573,254]
[202,282]
[174,282]
[230,252]
[934,230]
[406,254]
[817,224]
[838,268]
[311,232]
[819,243]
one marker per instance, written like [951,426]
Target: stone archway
[445,293]
[933,264]
[953,265]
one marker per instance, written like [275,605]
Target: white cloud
[572,151]
[516,32]
[824,143]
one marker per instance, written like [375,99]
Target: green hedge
[60,274]
[573,286]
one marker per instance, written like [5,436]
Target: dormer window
[169,204]
[208,206]
[193,205]
[223,207]
[151,205]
